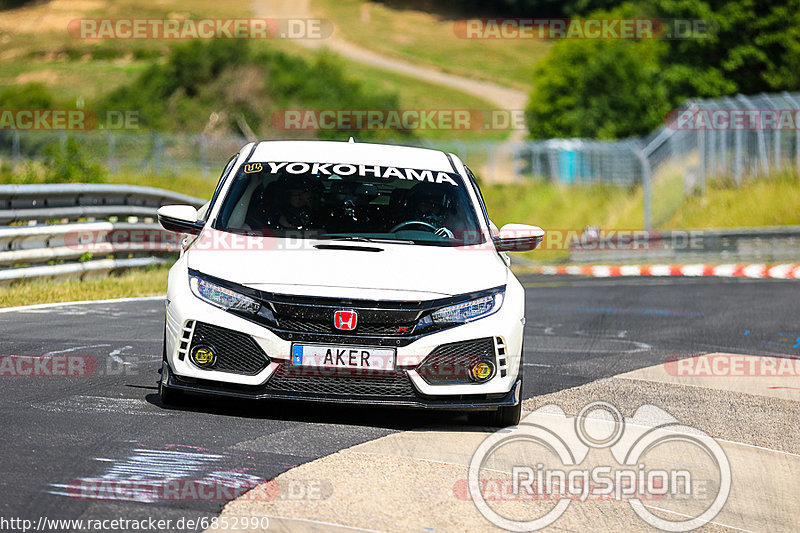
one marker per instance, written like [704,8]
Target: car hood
[351,269]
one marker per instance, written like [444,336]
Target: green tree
[612,89]
[752,46]
[603,89]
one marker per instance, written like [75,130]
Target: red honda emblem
[346,320]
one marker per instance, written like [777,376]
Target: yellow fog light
[203,356]
[482,371]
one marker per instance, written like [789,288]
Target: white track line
[689,516]
[80,302]
[307,520]
[76,348]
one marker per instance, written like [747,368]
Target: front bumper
[504,328]
[467,402]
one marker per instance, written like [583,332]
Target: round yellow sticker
[203,356]
[481,370]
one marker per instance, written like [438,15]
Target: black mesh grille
[315,326]
[236,352]
[450,363]
[394,385]
[396,321]
[304,326]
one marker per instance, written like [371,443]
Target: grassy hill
[37,49]
[421,32]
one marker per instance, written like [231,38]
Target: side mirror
[518,238]
[180,219]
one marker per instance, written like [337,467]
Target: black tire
[502,417]
[167,395]
[508,416]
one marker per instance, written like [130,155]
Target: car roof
[352,152]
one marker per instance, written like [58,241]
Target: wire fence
[737,137]
[127,151]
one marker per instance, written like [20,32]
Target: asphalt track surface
[57,431]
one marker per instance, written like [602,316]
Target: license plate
[329,356]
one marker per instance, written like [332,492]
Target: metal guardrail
[54,231]
[73,201]
[767,245]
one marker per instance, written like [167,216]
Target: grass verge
[147,282]
[767,202]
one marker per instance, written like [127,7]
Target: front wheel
[502,417]
[508,415]
[169,396]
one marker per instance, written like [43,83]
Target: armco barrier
[768,245]
[76,229]
[79,229]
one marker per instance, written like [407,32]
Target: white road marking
[320,522]
[76,348]
[690,516]
[564,347]
[142,476]
[80,302]
[114,354]
[102,404]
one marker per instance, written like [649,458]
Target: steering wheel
[441,232]
[412,223]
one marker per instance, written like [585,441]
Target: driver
[430,203]
[296,204]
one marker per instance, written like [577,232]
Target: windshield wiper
[358,238]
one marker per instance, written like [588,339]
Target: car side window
[474,183]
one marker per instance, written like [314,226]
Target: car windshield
[350,202]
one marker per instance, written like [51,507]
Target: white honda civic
[350,273]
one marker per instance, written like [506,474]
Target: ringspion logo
[553,457]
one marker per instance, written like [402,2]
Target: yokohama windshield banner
[345,169]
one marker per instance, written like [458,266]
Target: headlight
[469,311]
[222,297]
